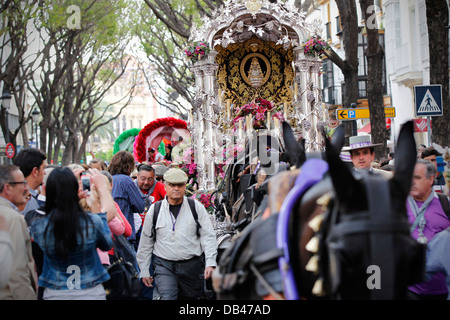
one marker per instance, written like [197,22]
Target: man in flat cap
[160,169]
[362,154]
[182,241]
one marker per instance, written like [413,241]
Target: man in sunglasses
[13,193]
[184,255]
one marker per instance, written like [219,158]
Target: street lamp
[35,117]
[6,102]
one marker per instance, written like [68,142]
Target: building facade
[403,34]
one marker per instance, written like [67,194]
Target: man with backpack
[179,233]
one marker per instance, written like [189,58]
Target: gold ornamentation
[276,66]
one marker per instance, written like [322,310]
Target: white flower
[260,32]
[227,33]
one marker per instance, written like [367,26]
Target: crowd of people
[427,207]
[57,237]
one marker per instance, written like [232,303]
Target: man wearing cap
[182,260]
[362,154]
[160,169]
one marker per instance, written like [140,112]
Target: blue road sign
[428,100]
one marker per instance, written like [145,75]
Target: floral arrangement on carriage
[190,167]
[315,46]
[229,154]
[257,112]
[207,199]
[196,50]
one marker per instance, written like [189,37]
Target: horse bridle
[382,226]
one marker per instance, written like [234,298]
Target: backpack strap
[195,215]
[158,208]
[443,199]
[155,217]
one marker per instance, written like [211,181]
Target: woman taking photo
[69,236]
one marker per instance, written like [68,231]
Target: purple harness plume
[312,172]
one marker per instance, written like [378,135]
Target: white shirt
[176,239]
[159,157]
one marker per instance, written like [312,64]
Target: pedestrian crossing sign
[428,100]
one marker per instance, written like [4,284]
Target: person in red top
[147,183]
[154,156]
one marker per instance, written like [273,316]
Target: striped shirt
[128,196]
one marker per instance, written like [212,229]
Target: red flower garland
[141,150]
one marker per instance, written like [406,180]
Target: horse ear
[338,139]
[295,150]
[345,185]
[405,158]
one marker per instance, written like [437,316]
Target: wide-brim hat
[175,176]
[361,142]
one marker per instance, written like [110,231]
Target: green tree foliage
[163,28]
[83,57]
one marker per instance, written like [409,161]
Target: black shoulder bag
[124,283]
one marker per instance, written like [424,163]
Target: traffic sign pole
[10,150]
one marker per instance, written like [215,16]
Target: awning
[365,129]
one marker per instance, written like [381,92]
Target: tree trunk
[81,150]
[374,54]
[56,152]
[349,67]
[67,156]
[437,21]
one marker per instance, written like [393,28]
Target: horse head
[357,244]
[329,233]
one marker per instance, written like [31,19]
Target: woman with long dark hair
[69,236]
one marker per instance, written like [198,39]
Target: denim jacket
[82,268]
